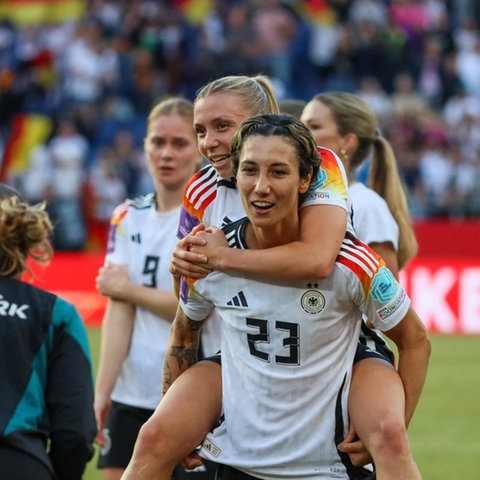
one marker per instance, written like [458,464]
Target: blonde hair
[24,232]
[256,93]
[353,115]
[174,105]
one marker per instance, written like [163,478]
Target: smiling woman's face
[269,181]
[216,118]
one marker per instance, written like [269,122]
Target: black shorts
[229,473]
[207,471]
[121,431]
[372,345]
[217,358]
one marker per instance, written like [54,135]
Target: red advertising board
[72,277]
[445,293]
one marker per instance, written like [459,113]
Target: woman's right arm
[322,230]
[114,281]
[182,348]
[323,222]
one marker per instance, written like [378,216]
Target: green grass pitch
[445,431]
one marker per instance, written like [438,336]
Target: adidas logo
[210,447]
[225,221]
[238,300]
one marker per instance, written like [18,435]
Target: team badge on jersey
[313,301]
[384,286]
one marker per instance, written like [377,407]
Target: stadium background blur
[77,79]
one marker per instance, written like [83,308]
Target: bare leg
[376,406]
[191,406]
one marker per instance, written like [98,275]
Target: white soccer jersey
[144,239]
[214,201]
[372,219]
[287,355]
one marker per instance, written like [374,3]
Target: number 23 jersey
[287,355]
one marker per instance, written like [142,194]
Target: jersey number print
[290,339]
[150,268]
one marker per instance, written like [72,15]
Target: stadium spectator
[371,91]
[106,190]
[67,155]
[133,53]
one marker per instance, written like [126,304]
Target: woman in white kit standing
[135,278]
[344,123]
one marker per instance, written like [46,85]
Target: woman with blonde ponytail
[385,180]
[344,123]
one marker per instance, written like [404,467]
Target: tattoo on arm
[182,351]
[186,357]
[167,378]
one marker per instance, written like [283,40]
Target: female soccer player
[344,123]
[141,304]
[377,416]
[280,343]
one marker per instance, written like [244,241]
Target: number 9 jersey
[143,239]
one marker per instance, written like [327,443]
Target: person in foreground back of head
[47,422]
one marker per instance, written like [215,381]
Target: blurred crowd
[416,63]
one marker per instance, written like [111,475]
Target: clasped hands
[199,253]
